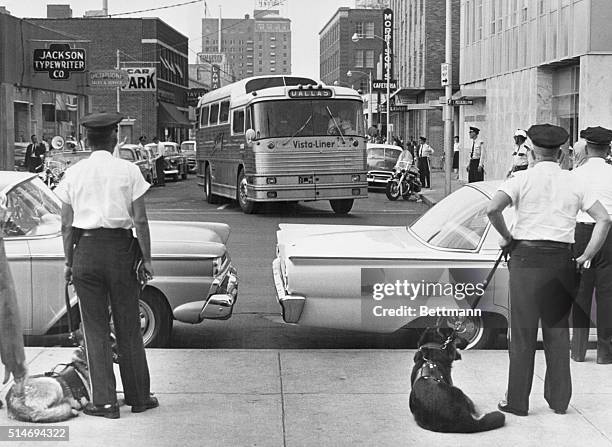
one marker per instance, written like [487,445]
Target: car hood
[188,238]
[348,241]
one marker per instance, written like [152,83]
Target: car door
[20,265]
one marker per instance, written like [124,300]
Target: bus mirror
[250,135]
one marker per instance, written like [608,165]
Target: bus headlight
[356,177]
[271,180]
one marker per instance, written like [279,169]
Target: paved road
[256,322]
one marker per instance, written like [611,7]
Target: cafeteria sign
[59,60]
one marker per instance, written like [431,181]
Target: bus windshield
[306,118]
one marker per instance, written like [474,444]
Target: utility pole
[448,108]
[118,88]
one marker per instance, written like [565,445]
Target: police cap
[520,133]
[474,129]
[101,120]
[597,135]
[547,136]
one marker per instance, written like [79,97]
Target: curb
[427,200]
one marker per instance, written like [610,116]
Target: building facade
[533,61]
[31,102]
[419,43]
[156,56]
[254,46]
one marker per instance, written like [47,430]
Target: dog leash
[504,253]
[71,335]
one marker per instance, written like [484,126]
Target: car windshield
[127,154]
[33,210]
[308,118]
[188,147]
[169,149]
[458,221]
[382,158]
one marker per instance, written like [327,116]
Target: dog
[435,403]
[53,396]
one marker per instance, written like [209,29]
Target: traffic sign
[445,74]
[59,60]
[108,78]
[381,85]
[460,102]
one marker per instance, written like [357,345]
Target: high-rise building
[372,4]
[249,46]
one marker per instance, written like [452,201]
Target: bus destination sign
[310,93]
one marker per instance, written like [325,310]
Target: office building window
[369,29]
[359,58]
[369,58]
[359,27]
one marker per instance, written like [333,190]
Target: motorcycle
[404,182]
[51,172]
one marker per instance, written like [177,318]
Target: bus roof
[269,86]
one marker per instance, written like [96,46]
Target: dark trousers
[424,172]
[542,283]
[159,168]
[598,278]
[474,175]
[103,274]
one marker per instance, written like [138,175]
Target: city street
[256,322]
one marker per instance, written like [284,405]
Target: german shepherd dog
[53,396]
[436,404]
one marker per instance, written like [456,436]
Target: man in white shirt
[103,199]
[456,155]
[160,162]
[424,151]
[520,156]
[598,176]
[475,166]
[542,266]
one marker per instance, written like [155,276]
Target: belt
[551,244]
[588,224]
[107,232]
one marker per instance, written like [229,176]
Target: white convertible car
[381,279]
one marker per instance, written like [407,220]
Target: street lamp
[356,38]
[349,74]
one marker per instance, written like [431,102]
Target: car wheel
[175,177]
[247,206]
[341,206]
[208,195]
[473,330]
[184,175]
[155,320]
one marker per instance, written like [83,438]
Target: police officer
[424,151]
[475,167]
[598,175]
[160,162]
[542,268]
[520,160]
[103,198]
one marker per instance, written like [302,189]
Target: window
[369,58]
[224,112]
[359,27]
[238,121]
[369,29]
[214,114]
[204,116]
[359,58]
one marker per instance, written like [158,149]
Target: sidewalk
[436,193]
[326,398]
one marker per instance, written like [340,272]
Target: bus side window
[224,112]
[204,116]
[214,114]
[247,121]
[238,121]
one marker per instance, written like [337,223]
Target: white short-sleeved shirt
[547,200]
[519,156]
[101,190]
[596,174]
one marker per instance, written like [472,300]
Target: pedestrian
[475,166]
[11,332]
[598,175]
[103,199]
[542,269]
[456,156]
[520,155]
[424,151]
[160,162]
[34,156]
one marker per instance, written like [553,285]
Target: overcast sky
[307,19]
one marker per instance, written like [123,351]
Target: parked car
[319,269]
[132,152]
[188,149]
[195,279]
[176,163]
[381,159]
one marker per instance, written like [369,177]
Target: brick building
[31,103]
[141,45]
[254,46]
[419,35]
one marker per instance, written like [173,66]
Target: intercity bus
[282,139]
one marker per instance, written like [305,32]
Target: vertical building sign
[215,78]
[388,45]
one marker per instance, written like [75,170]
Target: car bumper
[171,171]
[219,303]
[291,305]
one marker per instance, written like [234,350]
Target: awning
[170,116]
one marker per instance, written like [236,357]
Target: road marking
[222,207]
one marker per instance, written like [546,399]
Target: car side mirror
[250,135]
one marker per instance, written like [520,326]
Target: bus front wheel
[208,195]
[341,206]
[247,206]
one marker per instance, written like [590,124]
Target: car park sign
[59,60]
[143,79]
